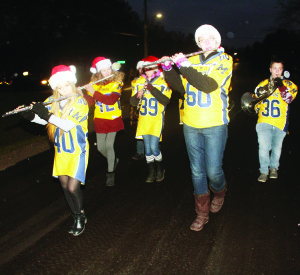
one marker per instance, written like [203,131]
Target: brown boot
[202,209]
[218,200]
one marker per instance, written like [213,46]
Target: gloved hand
[278,82]
[40,109]
[166,63]
[29,115]
[180,60]
[148,86]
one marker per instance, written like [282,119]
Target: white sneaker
[263,178]
[273,173]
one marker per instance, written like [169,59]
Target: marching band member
[67,127]
[272,123]
[140,150]
[153,94]
[108,114]
[204,80]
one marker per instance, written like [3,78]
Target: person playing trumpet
[152,94]
[204,80]
[272,123]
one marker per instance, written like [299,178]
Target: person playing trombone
[273,114]
[204,80]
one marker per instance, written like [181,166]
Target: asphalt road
[139,228]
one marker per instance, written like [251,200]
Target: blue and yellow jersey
[72,147]
[203,110]
[151,113]
[104,111]
[273,109]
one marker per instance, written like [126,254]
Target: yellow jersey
[104,111]
[72,147]
[151,112]
[273,109]
[203,110]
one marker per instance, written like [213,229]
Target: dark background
[35,37]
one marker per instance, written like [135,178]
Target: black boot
[152,172]
[81,220]
[110,179]
[160,175]
[72,227]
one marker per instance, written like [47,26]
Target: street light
[158,15]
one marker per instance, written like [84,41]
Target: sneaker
[263,178]
[138,156]
[273,173]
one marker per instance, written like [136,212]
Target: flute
[27,108]
[170,59]
[82,87]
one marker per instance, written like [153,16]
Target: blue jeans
[205,149]
[270,138]
[151,145]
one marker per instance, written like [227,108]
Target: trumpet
[27,108]
[248,100]
[170,59]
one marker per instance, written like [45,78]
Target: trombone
[248,100]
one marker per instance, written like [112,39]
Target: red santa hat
[62,73]
[100,63]
[208,29]
[151,59]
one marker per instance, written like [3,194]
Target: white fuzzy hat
[62,73]
[208,29]
[139,64]
[100,63]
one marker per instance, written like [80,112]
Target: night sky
[240,22]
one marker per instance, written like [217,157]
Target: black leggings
[73,193]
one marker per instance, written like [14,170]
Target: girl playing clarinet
[152,96]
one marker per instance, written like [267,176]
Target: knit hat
[100,63]
[62,73]
[208,29]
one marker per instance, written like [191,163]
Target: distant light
[159,15]
[121,62]
[235,53]
[44,82]
[25,73]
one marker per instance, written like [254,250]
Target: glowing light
[25,73]
[159,15]
[44,82]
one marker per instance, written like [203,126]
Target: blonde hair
[118,76]
[55,109]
